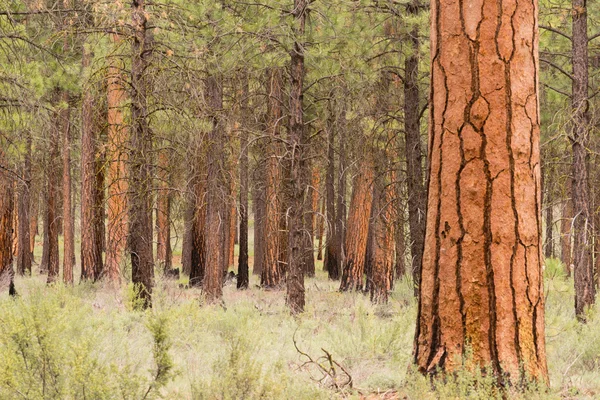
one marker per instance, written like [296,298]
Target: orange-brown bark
[355,247]
[481,283]
[6,236]
[68,228]
[382,246]
[272,273]
[117,218]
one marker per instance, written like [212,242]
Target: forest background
[140,139]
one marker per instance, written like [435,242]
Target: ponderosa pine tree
[414,163]
[164,253]
[355,246]
[296,185]
[89,249]
[68,222]
[213,276]
[25,252]
[271,273]
[583,268]
[60,122]
[243,273]
[117,178]
[481,292]
[140,212]
[6,231]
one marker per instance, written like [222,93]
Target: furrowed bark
[481,294]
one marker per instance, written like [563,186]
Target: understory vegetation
[91,342]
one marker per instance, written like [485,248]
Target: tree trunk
[320,229]
[583,223]
[6,233]
[213,278]
[355,247]
[272,274]
[331,262]
[61,120]
[163,212]
[382,249]
[24,255]
[549,250]
[340,208]
[258,205]
[566,221]
[68,222]
[89,249]
[99,207]
[481,293]
[243,274]
[118,184]
[297,180]
[33,224]
[140,211]
[198,245]
[414,163]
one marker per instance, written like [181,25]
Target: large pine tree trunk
[297,183]
[140,211]
[583,223]
[481,290]
[355,246]
[24,254]
[117,177]
[414,163]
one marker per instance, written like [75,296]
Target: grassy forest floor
[89,342]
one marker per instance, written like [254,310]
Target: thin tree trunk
[118,183]
[358,228]
[24,255]
[382,249]
[140,211]
[243,274]
[69,235]
[481,293]
[6,234]
[321,229]
[89,249]
[297,182]
[331,262]
[163,213]
[213,278]
[61,120]
[258,205]
[198,251]
[414,163]
[583,223]
[272,274]
[566,221]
